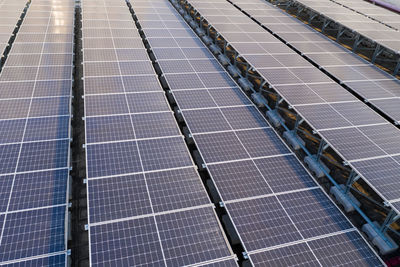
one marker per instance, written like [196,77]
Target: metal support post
[311,18]
[377,52]
[340,32]
[322,146]
[397,68]
[390,218]
[353,177]
[299,121]
[325,24]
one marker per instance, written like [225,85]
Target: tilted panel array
[35,95]
[373,30]
[373,11]
[271,199]
[146,202]
[375,86]
[10,14]
[366,141]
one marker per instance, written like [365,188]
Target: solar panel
[334,250]
[363,25]
[331,110]
[146,202]
[11,12]
[358,74]
[56,261]
[35,137]
[375,12]
[242,154]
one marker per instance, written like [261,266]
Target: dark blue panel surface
[343,249]
[147,102]
[220,147]
[206,120]
[155,125]
[113,128]
[158,154]
[54,106]
[105,104]
[112,159]
[262,142]
[43,155]
[238,180]
[117,197]
[262,223]
[39,189]
[313,213]
[113,244]
[296,255]
[284,173]
[32,233]
[197,231]
[8,158]
[5,189]
[244,117]
[53,261]
[176,189]
[11,131]
[47,128]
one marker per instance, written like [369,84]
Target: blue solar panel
[54,261]
[8,158]
[34,232]
[114,243]
[39,189]
[112,159]
[43,155]
[146,202]
[321,102]
[247,161]
[118,197]
[197,231]
[112,128]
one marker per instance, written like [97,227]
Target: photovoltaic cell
[344,249]
[266,221]
[166,195]
[313,213]
[113,243]
[191,236]
[142,185]
[299,255]
[262,142]
[112,159]
[118,197]
[284,173]
[220,147]
[298,79]
[382,173]
[39,189]
[33,232]
[237,180]
[262,223]
[56,261]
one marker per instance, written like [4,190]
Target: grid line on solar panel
[152,168]
[370,29]
[145,30]
[41,206]
[344,247]
[363,76]
[9,22]
[53,259]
